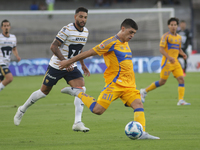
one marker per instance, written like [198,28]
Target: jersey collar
[78,29]
[118,38]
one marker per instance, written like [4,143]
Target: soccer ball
[133,130]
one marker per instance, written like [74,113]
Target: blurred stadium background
[36,32]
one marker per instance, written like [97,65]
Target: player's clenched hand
[63,64]
[18,58]
[185,56]
[171,59]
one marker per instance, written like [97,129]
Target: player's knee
[97,111]
[181,80]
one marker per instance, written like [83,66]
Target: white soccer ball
[133,130]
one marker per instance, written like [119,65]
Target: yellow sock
[152,86]
[139,117]
[87,100]
[181,91]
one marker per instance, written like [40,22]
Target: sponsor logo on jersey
[121,47]
[128,56]
[80,39]
[7,42]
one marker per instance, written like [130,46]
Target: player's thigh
[129,95]
[165,72]
[74,78]
[79,82]
[9,76]
[108,95]
[178,71]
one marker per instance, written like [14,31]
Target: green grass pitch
[47,124]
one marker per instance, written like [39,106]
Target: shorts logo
[102,46]
[6,70]
[51,76]
[46,81]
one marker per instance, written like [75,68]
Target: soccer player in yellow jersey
[119,75]
[170,48]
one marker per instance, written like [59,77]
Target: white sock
[32,99]
[1,86]
[78,108]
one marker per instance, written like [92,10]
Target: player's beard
[79,24]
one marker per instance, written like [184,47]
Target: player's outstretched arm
[81,56]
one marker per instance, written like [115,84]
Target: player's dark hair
[127,23]
[173,19]
[182,21]
[81,9]
[5,20]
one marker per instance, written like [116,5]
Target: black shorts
[3,71]
[53,75]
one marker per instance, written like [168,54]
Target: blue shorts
[53,75]
[3,71]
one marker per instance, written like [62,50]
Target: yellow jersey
[171,44]
[118,59]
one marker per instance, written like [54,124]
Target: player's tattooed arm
[54,48]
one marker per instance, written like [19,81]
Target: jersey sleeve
[62,34]
[163,41]
[103,47]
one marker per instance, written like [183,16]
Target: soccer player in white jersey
[8,44]
[67,44]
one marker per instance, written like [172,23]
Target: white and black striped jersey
[72,40]
[6,46]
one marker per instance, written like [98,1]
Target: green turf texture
[47,125]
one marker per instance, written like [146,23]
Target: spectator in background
[34,6]
[186,45]
[103,3]
[42,6]
[50,6]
